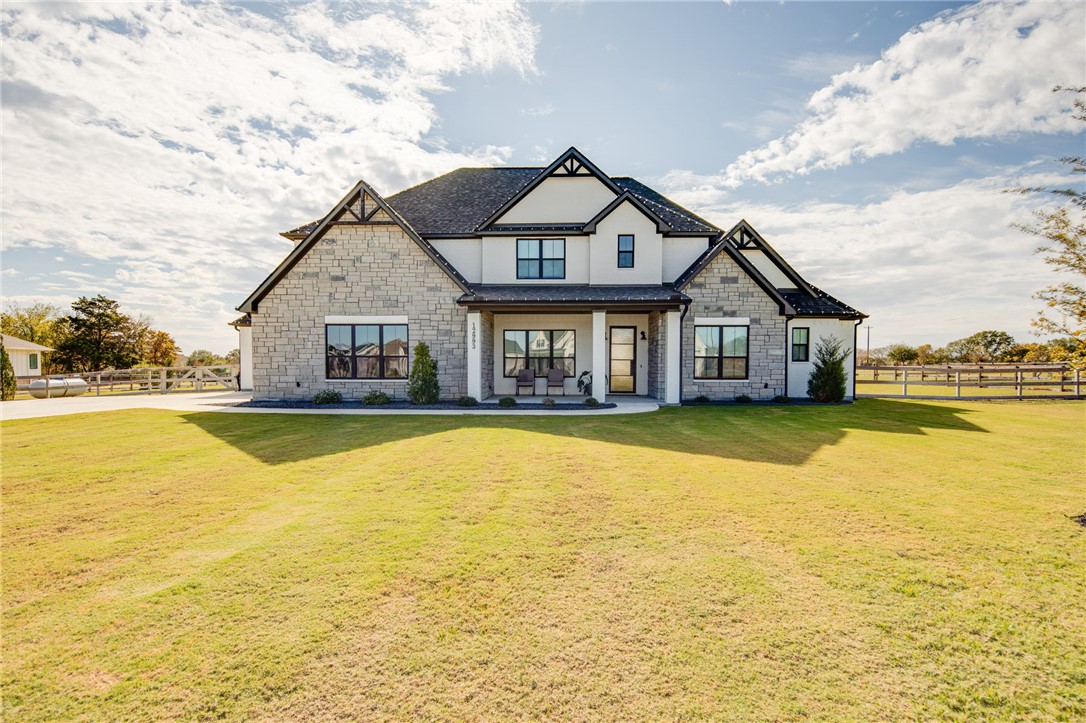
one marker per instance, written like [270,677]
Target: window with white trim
[366,351]
[720,352]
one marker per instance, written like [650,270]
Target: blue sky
[153,152]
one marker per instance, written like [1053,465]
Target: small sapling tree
[828,382]
[7,375]
[422,387]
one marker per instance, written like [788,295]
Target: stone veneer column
[475,355]
[599,355]
[671,388]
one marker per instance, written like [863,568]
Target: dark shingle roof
[672,213]
[562,293]
[823,305]
[459,201]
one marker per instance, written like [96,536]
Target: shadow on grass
[776,435]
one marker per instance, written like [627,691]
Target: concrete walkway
[209,401]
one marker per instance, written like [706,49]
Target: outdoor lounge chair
[556,378]
[526,378]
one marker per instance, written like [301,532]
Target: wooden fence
[985,381]
[153,380]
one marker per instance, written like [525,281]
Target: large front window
[541,350]
[541,258]
[720,352]
[366,351]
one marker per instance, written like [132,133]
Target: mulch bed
[291,404]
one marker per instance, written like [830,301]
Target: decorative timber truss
[743,237]
[571,164]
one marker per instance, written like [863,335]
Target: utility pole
[869,345]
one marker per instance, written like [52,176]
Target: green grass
[884,560]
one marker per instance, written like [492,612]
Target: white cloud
[986,70]
[540,111]
[928,266]
[173,141]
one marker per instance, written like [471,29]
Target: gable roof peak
[570,164]
[359,193]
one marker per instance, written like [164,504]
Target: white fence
[987,381]
[152,380]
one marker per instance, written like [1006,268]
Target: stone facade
[657,361]
[371,269]
[722,289]
[486,338]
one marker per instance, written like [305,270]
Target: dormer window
[625,251]
[541,258]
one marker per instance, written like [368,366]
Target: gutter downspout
[855,355]
[787,357]
[682,316]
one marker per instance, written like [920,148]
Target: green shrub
[548,402]
[7,373]
[592,402]
[328,396]
[828,382]
[507,402]
[422,387]
[468,401]
[780,399]
[376,398]
[743,399]
[702,399]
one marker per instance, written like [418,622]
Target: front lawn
[889,559]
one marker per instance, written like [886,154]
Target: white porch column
[671,378]
[599,356]
[245,348]
[475,355]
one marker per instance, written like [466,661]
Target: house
[26,356]
[562,267]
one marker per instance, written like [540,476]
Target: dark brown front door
[623,360]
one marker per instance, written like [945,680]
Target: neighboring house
[562,267]
[26,356]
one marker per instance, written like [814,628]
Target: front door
[623,359]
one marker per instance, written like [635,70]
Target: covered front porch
[625,340]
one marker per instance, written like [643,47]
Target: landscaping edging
[443,406]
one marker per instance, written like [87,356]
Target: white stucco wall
[499,261]
[678,253]
[561,200]
[648,248]
[465,254]
[20,362]
[800,372]
[581,324]
[769,269]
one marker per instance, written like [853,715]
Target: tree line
[984,347]
[97,335]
